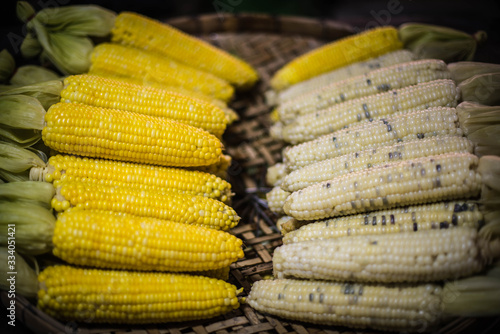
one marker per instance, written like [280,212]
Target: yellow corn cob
[219,169]
[107,240]
[123,297]
[329,169]
[346,72]
[436,93]
[66,168]
[430,255]
[115,94]
[144,33]
[400,308]
[384,132]
[276,199]
[120,135]
[117,60]
[348,50]
[381,80]
[275,174]
[423,180]
[441,215]
[162,204]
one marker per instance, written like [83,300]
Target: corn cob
[107,240]
[384,132]
[423,180]
[381,80]
[329,169]
[117,60]
[275,174]
[115,94]
[161,204]
[430,255]
[422,96]
[346,72]
[441,215]
[348,50]
[219,169]
[400,308]
[276,199]
[144,33]
[121,297]
[114,134]
[66,168]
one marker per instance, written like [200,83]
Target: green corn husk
[435,42]
[21,119]
[489,168]
[463,70]
[32,192]
[32,74]
[64,33]
[47,93]
[482,88]
[481,125]
[26,283]
[16,159]
[34,227]
[6,176]
[30,47]
[7,66]
[476,296]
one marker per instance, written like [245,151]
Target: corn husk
[32,74]
[16,159]
[7,66]
[30,47]
[32,192]
[26,281]
[435,42]
[463,70]
[482,88]
[64,34]
[6,176]
[47,93]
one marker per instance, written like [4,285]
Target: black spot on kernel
[438,168]
[366,220]
[369,165]
[360,292]
[444,225]
[465,207]
[280,296]
[399,140]
[334,139]
[328,184]
[356,155]
[454,220]
[327,223]
[367,115]
[415,227]
[374,221]
[353,204]
[383,220]
[349,289]
[321,298]
[355,184]
[385,200]
[384,87]
[394,93]
[393,221]
[457,208]
[346,165]
[375,242]
[390,155]
[342,97]
[384,121]
[311,297]
[368,82]
[389,128]
[420,135]
[434,225]
[358,117]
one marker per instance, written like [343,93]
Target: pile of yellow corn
[387,189]
[132,196]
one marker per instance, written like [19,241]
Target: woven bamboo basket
[267,43]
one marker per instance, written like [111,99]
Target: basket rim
[321,28]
